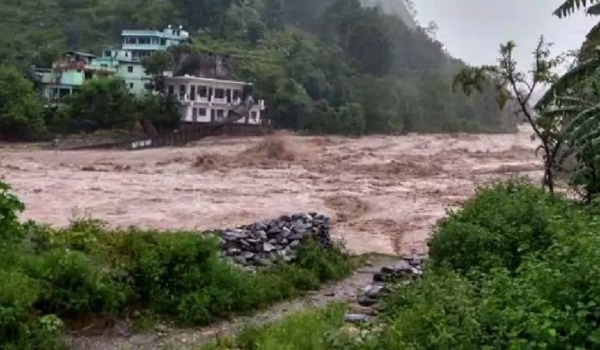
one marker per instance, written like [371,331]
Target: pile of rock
[265,242]
[401,272]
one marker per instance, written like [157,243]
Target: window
[171,89]
[195,114]
[131,86]
[130,69]
[202,91]
[79,71]
[193,92]
[202,112]
[220,113]
[237,94]
[182,90]
[219,93]
[254,115]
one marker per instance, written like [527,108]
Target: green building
[74,68]
[69,73]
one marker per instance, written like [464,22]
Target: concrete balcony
[146,47]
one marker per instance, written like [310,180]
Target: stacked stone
[401,272]
[266,242]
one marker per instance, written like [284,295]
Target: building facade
[205,100]
[74,68]
[69,73]
[135,46]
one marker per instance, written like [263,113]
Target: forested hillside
[328,66]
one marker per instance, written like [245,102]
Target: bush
[497,227]
[537,290]
[10,207]
[87,270]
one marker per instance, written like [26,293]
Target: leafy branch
[518,87]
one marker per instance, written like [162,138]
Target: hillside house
[69,73]
[206,100]
[74,68]
[135,45]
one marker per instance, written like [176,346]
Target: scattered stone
[374,291]
[356,318]
[357,309]
[123,329]
[365,301]
[400,273]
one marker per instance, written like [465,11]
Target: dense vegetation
[513,269]
[52,277]
[323,66]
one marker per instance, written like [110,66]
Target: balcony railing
[219,101]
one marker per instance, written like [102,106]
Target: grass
[307,330]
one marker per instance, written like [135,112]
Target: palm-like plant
[570,6]
[582,136]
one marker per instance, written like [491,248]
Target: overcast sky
[473,29]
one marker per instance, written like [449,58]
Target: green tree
[20,107]
[101,104]
[155,66]
[518,86]
[160,110]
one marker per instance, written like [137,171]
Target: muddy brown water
[384,193]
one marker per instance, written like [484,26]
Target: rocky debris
[356,318]
[266,242]
[398,273]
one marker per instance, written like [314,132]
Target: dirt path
[183,339]
[384,193]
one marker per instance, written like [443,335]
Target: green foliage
[10,207]
[101,104]
[19,328]
[517,87]
[20,108]
[570,6]
[155,65]
[536,290]
[513,269]
[86,270]
[496,228]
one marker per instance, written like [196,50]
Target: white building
[204,100]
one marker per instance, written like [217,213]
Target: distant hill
[396,7]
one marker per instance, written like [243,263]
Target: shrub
[74,285]
[497,227]
[537,290]
[19,328]
[10,207]
[88,270]
[551,303]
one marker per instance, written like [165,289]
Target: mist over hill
[394,7]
